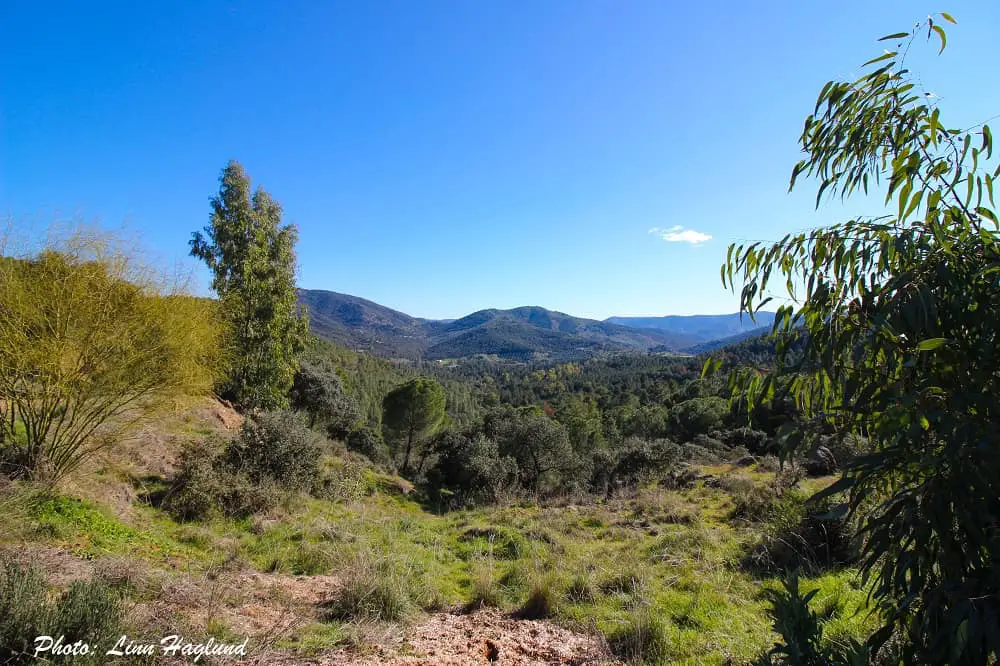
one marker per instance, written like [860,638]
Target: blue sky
[441,157]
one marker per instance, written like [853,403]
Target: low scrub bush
[469,470]
[543,597]
[378,588]
[89,611]
[273,452]
[127,575]
[740,456]
[203,487]
[768,463]
[684,476]
[319,391]
[642,640]
[24,611]
[276,446]
[716,447]
[371,445]
[812,537]
[632,463]
[344,479]
[754,441]
[699,454]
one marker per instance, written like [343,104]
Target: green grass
[659,573]
[91,531]
[314,638]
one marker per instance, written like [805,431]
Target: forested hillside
[525,334]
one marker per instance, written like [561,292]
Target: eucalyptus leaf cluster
[897,342]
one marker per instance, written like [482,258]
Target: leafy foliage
[801,631]
[635,461]
[539,446]
[469,469]
[370,444]
[252,258]
[276,446]
[901,348]
[319,391]
[88,611]
[204,487]
[90,343]
[696,416]
[274,452]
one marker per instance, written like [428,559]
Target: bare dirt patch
[484,637]
[59,566]
[264,607]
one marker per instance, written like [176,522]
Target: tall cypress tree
[252,257]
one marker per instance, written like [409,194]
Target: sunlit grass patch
[317,637]
[91,531]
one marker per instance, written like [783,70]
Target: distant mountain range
[704,327]
[522,333]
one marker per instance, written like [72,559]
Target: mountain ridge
[528,332]
[709,326]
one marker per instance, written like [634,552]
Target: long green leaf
[930,344]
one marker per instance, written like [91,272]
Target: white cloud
[678,234]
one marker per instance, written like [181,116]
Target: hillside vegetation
[821,496]
[320,576]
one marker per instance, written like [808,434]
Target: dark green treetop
[411,413]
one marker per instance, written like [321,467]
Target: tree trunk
[423,459]
[406,457]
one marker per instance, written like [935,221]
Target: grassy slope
[669,553]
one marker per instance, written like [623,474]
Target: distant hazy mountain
[703,327]
[712,345]
[525,332]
